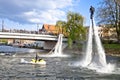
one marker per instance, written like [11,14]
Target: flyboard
[33,61]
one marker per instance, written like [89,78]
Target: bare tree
[109,13]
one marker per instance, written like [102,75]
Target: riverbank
[110,49]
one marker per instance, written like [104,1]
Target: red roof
[50,28]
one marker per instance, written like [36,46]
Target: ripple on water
[55,69]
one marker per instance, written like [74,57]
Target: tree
[73,27]
[61,25]
[109,13]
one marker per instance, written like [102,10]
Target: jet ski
[36,60]
[40,61]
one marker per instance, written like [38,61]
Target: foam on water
[23,61]
[109,68]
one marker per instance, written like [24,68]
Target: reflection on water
[55,69]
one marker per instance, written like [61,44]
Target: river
[57,68]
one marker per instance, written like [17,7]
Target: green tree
[109,13]
[73,27]
[60,25]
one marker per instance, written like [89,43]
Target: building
[50,29]
[107,32]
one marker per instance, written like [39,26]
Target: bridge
[49,40]
[39,37]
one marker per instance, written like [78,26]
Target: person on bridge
[92,10]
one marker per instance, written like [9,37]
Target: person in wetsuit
[92,10]
[36,57]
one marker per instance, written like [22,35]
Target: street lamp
[2,25]
[38,28]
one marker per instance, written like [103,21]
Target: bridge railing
[8,35]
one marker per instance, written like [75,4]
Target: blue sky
[26,14]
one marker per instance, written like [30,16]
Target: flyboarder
[92,10]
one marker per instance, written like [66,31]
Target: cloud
[35,11]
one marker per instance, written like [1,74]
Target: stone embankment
[113,52]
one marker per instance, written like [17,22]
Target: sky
[32,14]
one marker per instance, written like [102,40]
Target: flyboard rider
[92,10]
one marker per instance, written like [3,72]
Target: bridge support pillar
[49,45]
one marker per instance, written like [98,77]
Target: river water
[57,68]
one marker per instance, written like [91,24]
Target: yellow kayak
[41,61]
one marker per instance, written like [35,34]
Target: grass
[112,49]
[111,46]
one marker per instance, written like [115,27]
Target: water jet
[57,51]
[94,55]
